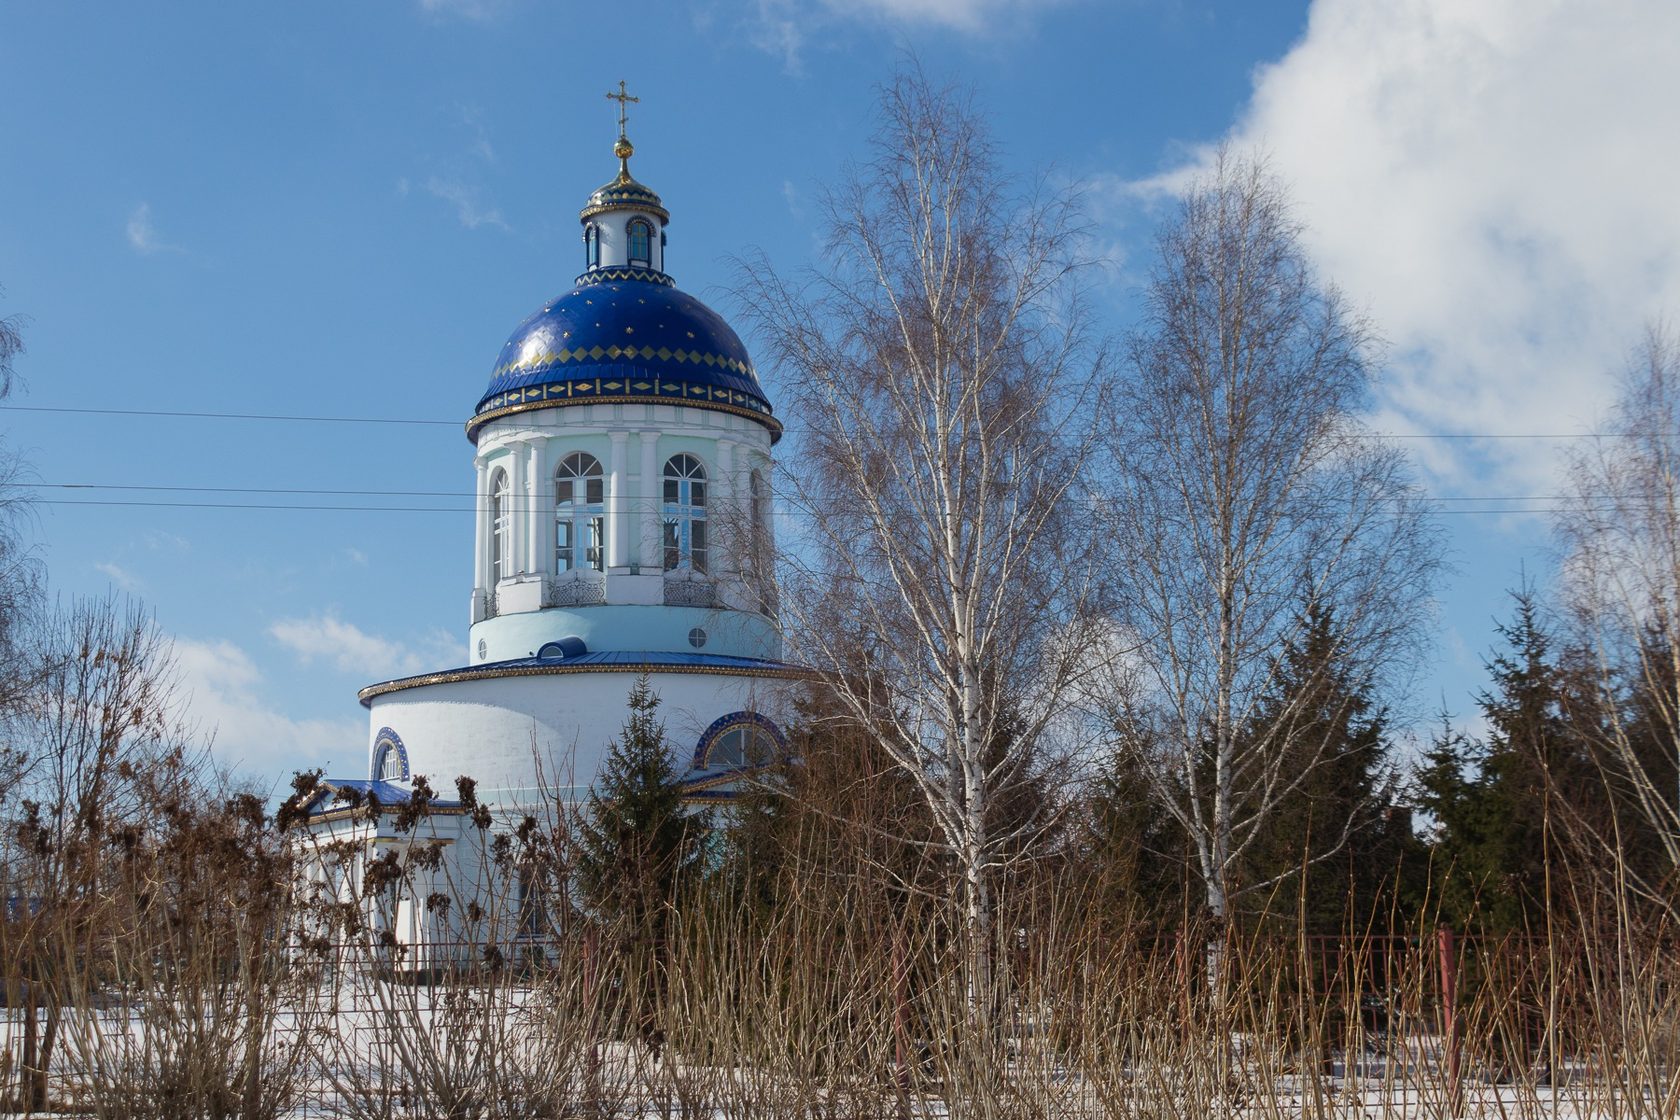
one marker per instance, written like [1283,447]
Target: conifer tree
[638,847]
[1335,849]
[1493,802]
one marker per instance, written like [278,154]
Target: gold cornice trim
[457,676]
[477,422]
[643,206]
[349,811]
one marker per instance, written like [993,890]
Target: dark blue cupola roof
[623,334]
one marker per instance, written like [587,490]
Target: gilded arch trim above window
[740,741]
[390,757]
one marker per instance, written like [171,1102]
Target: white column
[651,560]
[520,501]
[481,528]
[723,514]
[767,511]
[539,556]
[618,498]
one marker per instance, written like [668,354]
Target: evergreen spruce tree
[1340,843]
[638,848]
[1502,807]
[1135,860]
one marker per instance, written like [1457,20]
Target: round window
[483,649]
[697,637]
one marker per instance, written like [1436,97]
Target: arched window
[591,245]
[740,740]
[685,513]
[640,236]
[580,525]
[390,757]
[501,527]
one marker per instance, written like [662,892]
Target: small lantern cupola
[624,221]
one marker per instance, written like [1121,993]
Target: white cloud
[472,213]
[971,16]
[784,27]
[143,234]
[121,578]
[222,686]
[477,11]
[1494,180]
[357,557]
[349,649]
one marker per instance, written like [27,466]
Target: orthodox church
[622,451]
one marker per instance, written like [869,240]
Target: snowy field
[372,1050]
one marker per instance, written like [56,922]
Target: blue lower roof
[652,661]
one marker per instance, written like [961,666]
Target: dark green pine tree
[1493,803]
[1339,846]
[639,848]
[1129,853]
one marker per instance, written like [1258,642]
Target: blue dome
[623,335]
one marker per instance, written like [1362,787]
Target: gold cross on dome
[623,98]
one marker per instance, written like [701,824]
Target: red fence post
[1446,944]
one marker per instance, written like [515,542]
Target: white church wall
[520,737]
[625,627]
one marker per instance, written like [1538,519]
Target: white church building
[622,451]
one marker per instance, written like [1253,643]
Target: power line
[174,414]
[463,493]
[303,419]
[241,490]
[632,505]
[632,501]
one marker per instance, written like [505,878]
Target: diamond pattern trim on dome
[618,272]
[551,358]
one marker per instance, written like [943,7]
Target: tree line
[1105,639]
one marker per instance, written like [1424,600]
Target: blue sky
[341,210]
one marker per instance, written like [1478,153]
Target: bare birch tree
[942,383]
[1247,499]
[1620,532]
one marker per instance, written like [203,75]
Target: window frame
[580,526]
[634,229]
[747,724]
[683,497]
[501,526]
[387,747]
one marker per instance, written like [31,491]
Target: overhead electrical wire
[1494,510]
[305,419]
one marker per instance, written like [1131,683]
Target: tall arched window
[501,527]
[580,525]
[640,236]
[685,513]
[591,245]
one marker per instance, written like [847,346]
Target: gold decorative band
[483,418]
